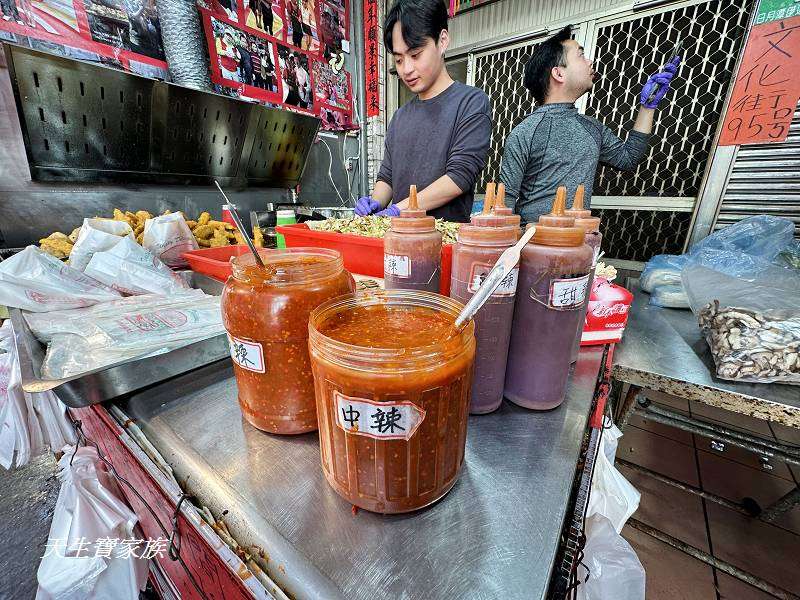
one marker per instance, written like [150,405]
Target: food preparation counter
[495,535]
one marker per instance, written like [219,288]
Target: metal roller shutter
[765,179]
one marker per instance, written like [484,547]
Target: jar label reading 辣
[378,420]
[396,265]
[479,272]
[568,293]
[248,355]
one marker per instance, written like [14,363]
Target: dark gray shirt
[445,135]
[556,145]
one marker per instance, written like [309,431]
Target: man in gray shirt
[438,141]
[555,145]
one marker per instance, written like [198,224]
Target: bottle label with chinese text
[479,272]
[568,293]
[248,355]
[378,420]
[396,265]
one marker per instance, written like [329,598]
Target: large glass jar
[392,381]
[265,312]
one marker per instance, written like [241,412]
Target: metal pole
[360,55]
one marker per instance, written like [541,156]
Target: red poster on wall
[767,87]
[371,58]
[121,34]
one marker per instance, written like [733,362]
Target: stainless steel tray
[117,380]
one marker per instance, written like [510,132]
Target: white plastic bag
[35,281]
[97,235]
[130,269]
[29,423]
[610,569]
[88,339]
[168,237]
[611,495]
[89,512]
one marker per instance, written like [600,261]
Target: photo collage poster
[125,34]
[288,53]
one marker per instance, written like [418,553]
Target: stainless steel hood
[87,123]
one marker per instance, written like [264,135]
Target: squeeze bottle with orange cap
[593,237]
[553,281]
[412,250]
[486,218]
[477,250]
[501,210]
[585,220]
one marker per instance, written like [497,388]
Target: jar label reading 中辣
[569,292]
[396,265]
[378,420]
[479,272]
[248,355]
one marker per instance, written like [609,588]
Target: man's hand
[366,206]
[660,83]
[390,211]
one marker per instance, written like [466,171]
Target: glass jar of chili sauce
[265,312]
[393,380]
[412,250]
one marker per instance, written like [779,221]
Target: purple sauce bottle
[552,289]
[478,248]
[593,237]
[412,250]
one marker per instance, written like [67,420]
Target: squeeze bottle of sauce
[501,210]
[593,237]
[412,250]
[477,250]
[553,285]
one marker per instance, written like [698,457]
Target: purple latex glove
[660,80]
[366,206]
[389,211]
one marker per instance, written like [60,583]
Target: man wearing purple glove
[438,141]
[556,145]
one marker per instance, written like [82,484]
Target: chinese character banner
[767,88]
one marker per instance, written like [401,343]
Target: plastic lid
[588,224]
[557,229]
[478,235]
[577,209]
[413,219]
[500,207]
[285,213]
[486,218]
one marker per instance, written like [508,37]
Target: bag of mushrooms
[751,321]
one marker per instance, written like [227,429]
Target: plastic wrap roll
[184,43]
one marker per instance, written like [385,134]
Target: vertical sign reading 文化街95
[767,88]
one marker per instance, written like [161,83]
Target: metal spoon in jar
[232,209]
[504,265]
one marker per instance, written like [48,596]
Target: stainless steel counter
[663,350]
[495,535]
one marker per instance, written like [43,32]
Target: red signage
[371,58]
[767,87]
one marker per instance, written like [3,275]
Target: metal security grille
[640,234]
[628,52]
[765,179]
[500,76]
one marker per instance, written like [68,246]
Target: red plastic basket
[214,262]
[362,255]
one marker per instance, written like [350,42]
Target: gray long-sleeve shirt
[556,145]
[444,135]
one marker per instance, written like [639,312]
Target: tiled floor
[768,551]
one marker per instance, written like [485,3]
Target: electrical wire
[342,202]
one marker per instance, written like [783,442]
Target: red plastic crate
[214,262]
[362,255]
